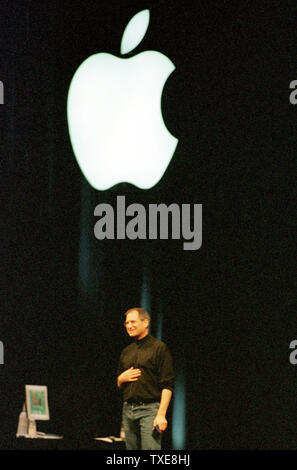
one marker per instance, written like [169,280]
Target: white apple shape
[114,114]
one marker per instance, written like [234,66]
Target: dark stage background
[226,311]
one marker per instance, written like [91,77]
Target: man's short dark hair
[143,315]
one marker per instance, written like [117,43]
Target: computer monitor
[37,402]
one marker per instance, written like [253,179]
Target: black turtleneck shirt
[154,359]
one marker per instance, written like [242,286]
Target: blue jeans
[138,424]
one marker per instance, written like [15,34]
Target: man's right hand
[129,375]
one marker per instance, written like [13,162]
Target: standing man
[145,374]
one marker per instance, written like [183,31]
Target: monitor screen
[37,402]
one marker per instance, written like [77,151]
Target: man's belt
[131,401]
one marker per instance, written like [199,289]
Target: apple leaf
[135,31]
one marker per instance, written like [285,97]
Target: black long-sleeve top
[154,359]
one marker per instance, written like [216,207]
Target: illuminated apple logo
[114,114]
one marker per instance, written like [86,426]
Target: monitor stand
[27,428]
[32,429]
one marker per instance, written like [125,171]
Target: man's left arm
[160,419]
[166,379]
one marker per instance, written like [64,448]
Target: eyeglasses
[132,322]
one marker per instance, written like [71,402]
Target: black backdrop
[227,311]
